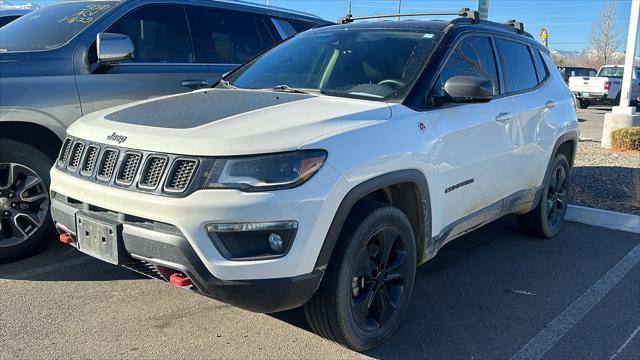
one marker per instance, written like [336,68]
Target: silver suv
[70,59]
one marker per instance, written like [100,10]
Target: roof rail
[464,12]
[519,26]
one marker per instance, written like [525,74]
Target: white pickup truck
[605,87]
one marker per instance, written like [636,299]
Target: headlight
[266,172]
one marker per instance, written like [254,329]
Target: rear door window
[227,37]
[517,66]
[160,34]
[473,56]
[542,70]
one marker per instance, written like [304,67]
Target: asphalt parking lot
[591,121]
[493,294]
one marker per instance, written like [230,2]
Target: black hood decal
[200,108]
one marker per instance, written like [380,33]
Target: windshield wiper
[289,89]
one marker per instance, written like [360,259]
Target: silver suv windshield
[373,64]
[51,26]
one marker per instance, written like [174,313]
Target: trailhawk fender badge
[117,138]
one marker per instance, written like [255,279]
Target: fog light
[275,241]
[253,241]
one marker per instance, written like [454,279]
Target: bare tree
[605,41]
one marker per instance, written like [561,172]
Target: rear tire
[583,104]
[25,220]
[362,299]
[546,219]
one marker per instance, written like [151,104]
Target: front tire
[546,219]
[367,287]
[25,220]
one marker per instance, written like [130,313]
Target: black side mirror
[468,89]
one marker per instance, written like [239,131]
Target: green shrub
[626,139]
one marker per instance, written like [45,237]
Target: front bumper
[150,245]
[170,232]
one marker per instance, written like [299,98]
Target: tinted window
[227,37]
[543,72]
[472,57]
[7,19]
[52,26]
[159,34]
[517,66]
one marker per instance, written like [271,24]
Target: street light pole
[623,115]
[625,95]
[399,8]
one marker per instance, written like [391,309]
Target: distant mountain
[567,53]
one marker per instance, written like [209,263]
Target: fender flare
[369,186]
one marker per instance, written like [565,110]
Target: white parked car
[322,172]
[605,87]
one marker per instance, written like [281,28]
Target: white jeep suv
[323,171]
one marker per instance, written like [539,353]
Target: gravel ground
[606,179]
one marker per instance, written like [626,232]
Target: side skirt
[518,203]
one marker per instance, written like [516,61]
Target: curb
[604,218]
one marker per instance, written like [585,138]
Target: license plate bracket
[586,94]
[99,238]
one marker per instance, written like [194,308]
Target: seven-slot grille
[152,171]
[128,168]
[65,151]
[90,160]
[107,164]
[180,175]
[76,155]
[115,166]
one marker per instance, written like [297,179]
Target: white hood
[218,122]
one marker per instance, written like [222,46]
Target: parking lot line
[558,327]
[46,269]
[633,334]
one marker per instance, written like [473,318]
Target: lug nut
[11,195]
[6,213]
[13,205]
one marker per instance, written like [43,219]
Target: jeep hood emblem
[117,138]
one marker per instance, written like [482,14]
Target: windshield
[375,64]
[615,72]
[51,26]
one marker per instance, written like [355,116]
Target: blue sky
[569,22]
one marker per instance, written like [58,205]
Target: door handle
[504,117]
[194,84]
[550,104]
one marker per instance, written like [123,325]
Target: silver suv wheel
[24,203]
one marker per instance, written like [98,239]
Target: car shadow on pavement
[64,263]
[488,292]
[420,326]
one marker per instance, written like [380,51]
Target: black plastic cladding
[196,183]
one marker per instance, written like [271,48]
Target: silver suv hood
[227,122]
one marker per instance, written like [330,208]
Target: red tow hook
[66,238]
[180,279]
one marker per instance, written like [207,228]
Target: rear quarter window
[517,66]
